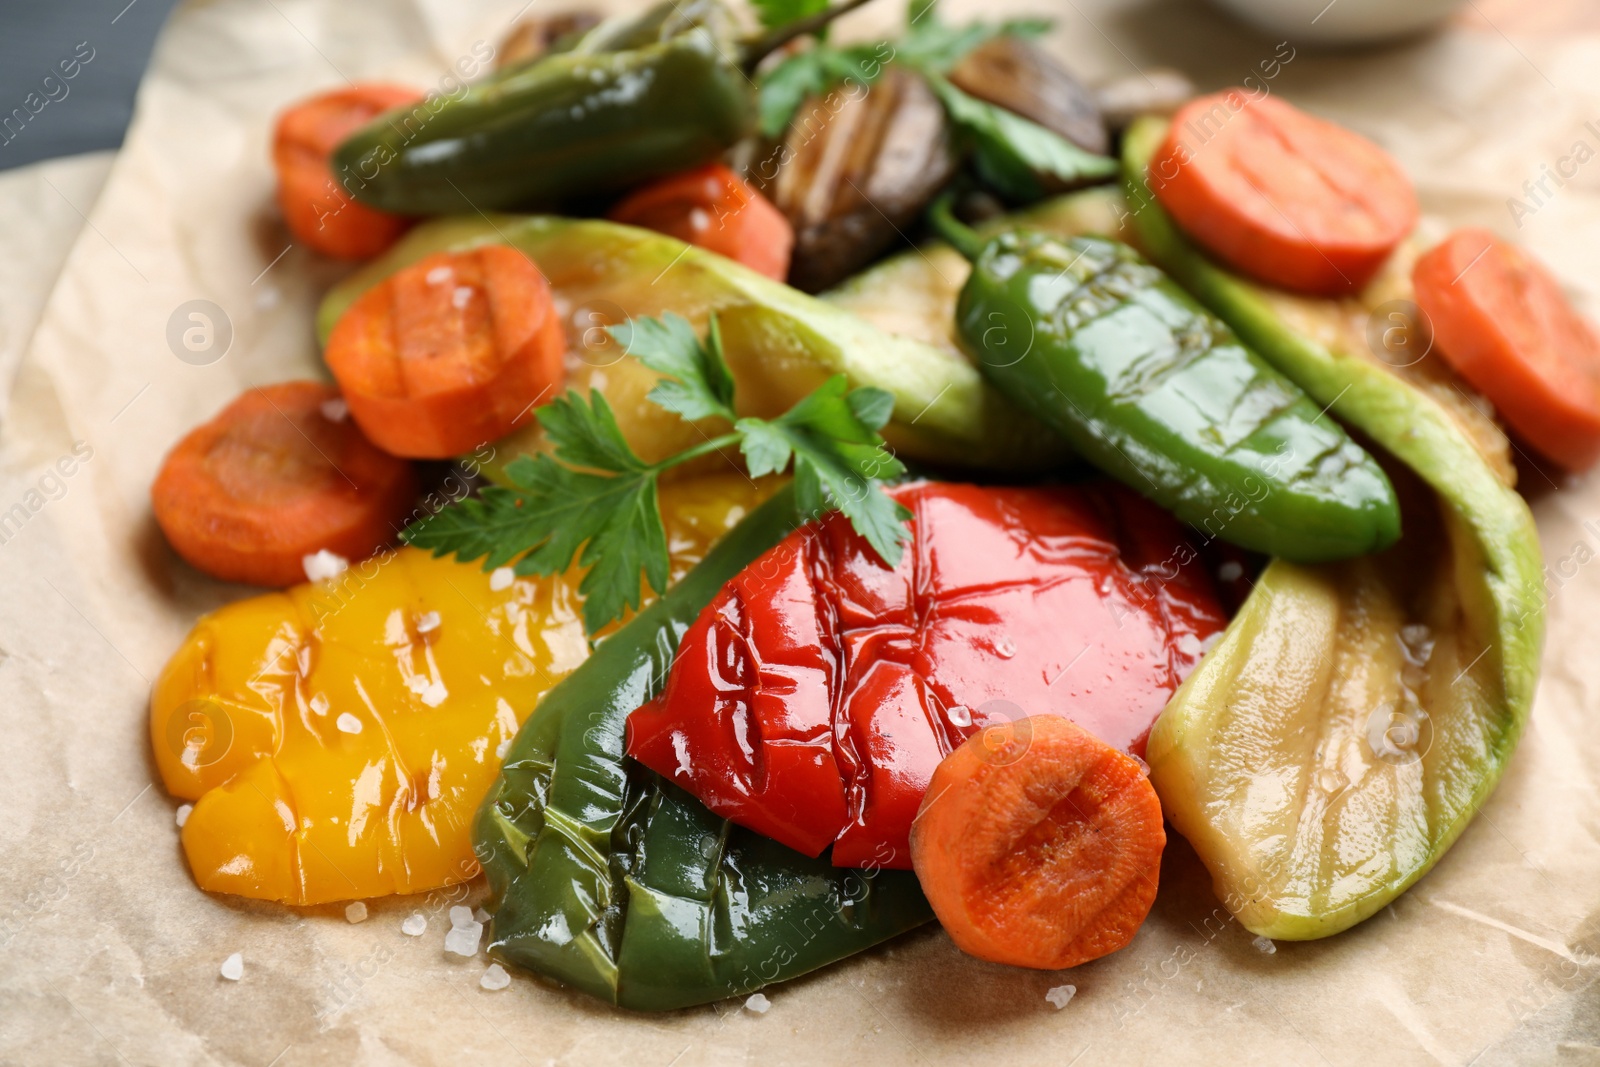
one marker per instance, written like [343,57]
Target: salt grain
[463,940]
[416,924]
[427,622]
[319,704]
[461,915]
[1230,571]
[1265,946]
[233,967]
[434,694]
[439,275]
[501,578]
[502,748]
[758,1003]
[481,915]
[495,977]
[959,715]
[183,813]
[347,723]
[322,565]
[335,410]
[1061,995]
[461,297]
[355,912]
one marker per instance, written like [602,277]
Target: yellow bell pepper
[337,738]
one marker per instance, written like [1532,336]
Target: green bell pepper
[1355,716]
[1156,391]
[651,96]
[780,343]
[608,879]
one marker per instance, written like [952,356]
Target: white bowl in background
[1342,21]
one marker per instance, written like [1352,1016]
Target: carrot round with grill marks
[1280,195]
[1039,845]
[449,353]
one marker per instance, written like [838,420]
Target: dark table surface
[68,73]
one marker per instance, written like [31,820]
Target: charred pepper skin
[1152,388]
[628,103]
[609,880]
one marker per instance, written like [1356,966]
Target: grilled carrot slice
[1039,845]
[279,474]
[714,208]
[449,353]
[1502,321]
[1281,195]
[318,210]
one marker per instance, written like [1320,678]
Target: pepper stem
[761,47]
[961,236]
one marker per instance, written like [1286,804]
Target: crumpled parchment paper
[111,955]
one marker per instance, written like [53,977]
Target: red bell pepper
[813,698]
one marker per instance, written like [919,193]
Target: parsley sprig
[591,498]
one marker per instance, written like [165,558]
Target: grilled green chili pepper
[1434,645]
[632,99]
[1155,390]
[608,879]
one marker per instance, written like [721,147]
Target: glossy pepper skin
[336,738]
[815,696]
[1156,391]
[609,880]
[631,101]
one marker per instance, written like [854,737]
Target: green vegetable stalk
[608,880]
[1355,716]
[1155,390]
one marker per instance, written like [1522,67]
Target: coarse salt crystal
[416,924]
[502,748]
[461,915]
[319,704]
[439,275]
[233,967]
[322,565]
[1230,571]
[501,578]
[495,977]
[355,911]
[335,410]
[347,723]
[461,297]
[183,813]
[758,1003]
[417,684]
[959,715]
[427,622]
[1061,995]
[481,915]
[1265,946]
[463,940]
[434,695]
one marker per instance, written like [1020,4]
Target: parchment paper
[111,955]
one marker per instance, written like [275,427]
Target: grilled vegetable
[336,738]
[1356,715]
[537,35]
[632,100]
[817,693]
[1156,391]
[607,880]
[715,209]
[1016,74]
[604,273]
[854,171]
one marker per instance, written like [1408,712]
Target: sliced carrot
[449,353]
[318,210]
[1039,845]
[714,208]
[1502,321]
[1281,195]
[279,474]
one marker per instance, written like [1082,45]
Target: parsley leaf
[775,13]
[933,45]
[1011,152]
[593,501]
